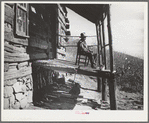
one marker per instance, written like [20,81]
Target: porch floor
[88,99]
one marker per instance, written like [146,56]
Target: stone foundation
[19,94]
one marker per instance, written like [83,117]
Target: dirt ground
[88,99]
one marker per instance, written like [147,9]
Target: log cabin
[34,38]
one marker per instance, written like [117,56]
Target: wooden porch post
[97,33]
[99,81]
[111,81]
[103,36]
[104,81]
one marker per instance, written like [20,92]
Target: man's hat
[82,35]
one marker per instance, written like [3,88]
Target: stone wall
[18,92]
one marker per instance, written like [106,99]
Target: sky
[127,22]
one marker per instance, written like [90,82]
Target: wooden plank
[61,9]
[8,19]
[7,27]
[38,56]
[39,43]
[62,18]
[9,11]
[20,41]
[104,89]
[67,67]
[17,73]
[8,36]
[62,25]
[13,57]
[112,84]
[7,59]
[14,49]
[31,50]
[7,54]
[22,64]
[37,29]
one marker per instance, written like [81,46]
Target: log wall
[18,84]
[63,26]
[20,52]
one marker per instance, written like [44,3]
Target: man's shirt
[83,46]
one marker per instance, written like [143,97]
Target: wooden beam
[34,56]
[17,73]
[103,36]
[104,87]
[14,49]
[99,81]
[100,39]
[97,24]
[111,81]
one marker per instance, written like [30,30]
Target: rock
[8,91]
[23,102]
[17,87]
[16,105]
[75,89]
[12,100]
[29,86]
[9,82]
[19,96]
[6,67]
[6,103]
[30,96]
[23,88]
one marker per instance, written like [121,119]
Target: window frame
[26,11]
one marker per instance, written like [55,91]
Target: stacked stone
[18,95]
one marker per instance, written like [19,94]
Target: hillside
[129,69]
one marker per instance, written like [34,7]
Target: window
[22,19]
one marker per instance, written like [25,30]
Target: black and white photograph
[85,59]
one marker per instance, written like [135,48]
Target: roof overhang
[91,12]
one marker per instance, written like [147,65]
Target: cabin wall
[18,83]
[63,31]
[31,34]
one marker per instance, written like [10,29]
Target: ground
[88,99]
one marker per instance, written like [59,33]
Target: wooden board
[61,16]
[38,56]
[17,54]
[31,50]
[17,73]
[9,11]
[61,9]
[39,43]
[8,36]
[62,25]
[8,19]
[13,49]
[7,59]
[7,27]
[20,41]
[37,29]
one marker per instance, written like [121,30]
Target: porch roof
[91,12]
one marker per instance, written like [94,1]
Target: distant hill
[131,71]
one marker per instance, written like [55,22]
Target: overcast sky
[127,21]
